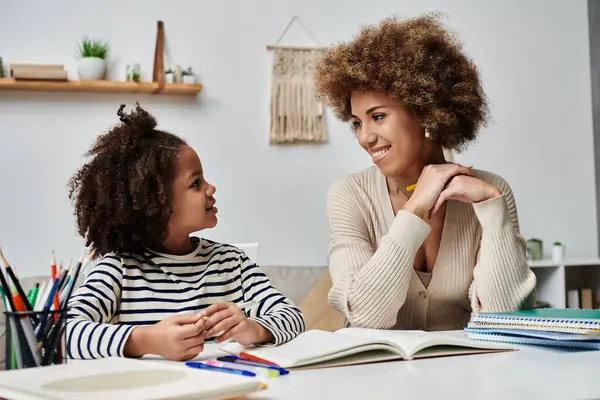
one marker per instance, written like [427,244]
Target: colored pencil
[28,346]
[42,295]
[3,295]
[76,275]
[16,345]
[41,328]
[250,357]
[10,347]
[6,290]
[15,281]
[52,343]
[70,281]
[64,276]
[57,279]
[412,187]
[34,294]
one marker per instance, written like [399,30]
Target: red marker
[254,358]
[54,278]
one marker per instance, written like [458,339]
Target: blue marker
[238,360]
[199,365]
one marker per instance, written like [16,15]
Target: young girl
[157,290]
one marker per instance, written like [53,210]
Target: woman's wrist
[416,210]
[492,193]
[495,193]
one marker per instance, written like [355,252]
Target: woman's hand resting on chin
[441,182]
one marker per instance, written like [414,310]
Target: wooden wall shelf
[186,89]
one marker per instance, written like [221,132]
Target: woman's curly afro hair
[420,64]
[122,195]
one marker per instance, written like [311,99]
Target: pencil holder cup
[35,338]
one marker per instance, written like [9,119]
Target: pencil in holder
[32,344]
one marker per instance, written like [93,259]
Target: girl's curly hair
[420,64]
[122,195]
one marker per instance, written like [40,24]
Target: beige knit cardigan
[481,264]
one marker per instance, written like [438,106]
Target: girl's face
[193,202]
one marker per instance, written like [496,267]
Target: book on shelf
[581,298]
[38,72]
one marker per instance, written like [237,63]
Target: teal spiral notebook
[528,340]
[541,319]
[549,313]
[553,327]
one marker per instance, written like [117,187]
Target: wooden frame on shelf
[157,86]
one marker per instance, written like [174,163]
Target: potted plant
[558,252]
[188,76]
[91,62]
[169,76]
[136,73]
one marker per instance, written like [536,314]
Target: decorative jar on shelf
[136,73]
[176,68]
[558,252]
[535,250]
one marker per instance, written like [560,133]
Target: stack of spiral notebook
[552,327]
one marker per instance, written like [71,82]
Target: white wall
[533,56]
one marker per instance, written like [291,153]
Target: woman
[423,258]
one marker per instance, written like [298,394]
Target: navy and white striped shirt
[123,292]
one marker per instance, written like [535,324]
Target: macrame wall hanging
[296,115]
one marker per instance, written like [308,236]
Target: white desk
[531,373]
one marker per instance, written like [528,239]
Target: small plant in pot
[169,76]
[188,76]
[91,62]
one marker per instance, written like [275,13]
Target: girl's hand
[466,189]
[177,338]
[229,322]
[430,185]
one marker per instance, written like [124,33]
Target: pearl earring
[427,134]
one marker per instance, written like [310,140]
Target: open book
[122,378]
[348,346]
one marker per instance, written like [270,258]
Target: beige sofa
[305,286]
